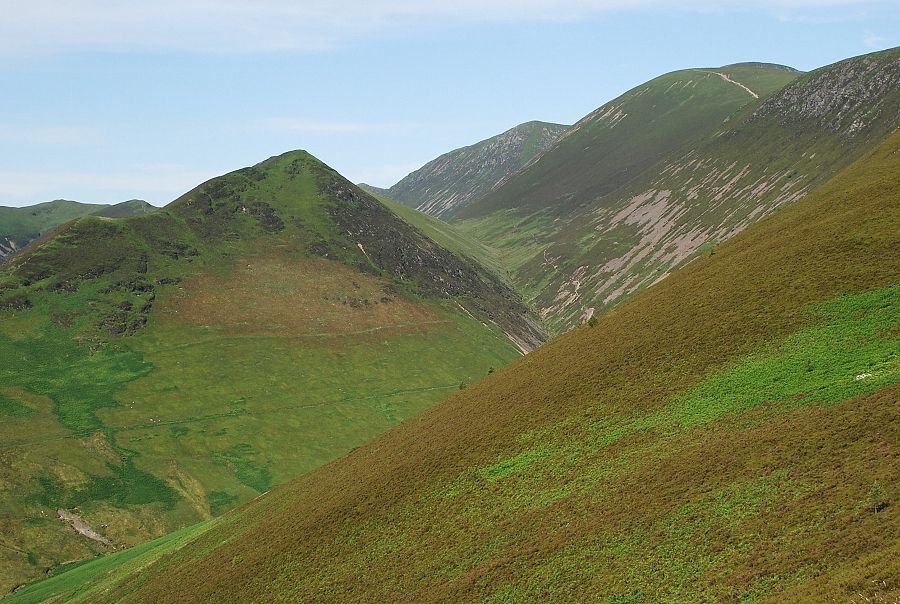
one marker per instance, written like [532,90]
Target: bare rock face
[8,247]
[447,184]
[846,98]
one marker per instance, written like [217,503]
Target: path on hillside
[725,77]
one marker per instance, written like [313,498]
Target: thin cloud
[49,135]
[304,126]
[874,41]
[233,26]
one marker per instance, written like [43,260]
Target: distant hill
[161,369]
[132,207]
[729,434]
[374,190]
[21,226]
[446,185]
[672,168]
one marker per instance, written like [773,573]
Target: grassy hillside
[446,185]
[628,135]
[20,226]
[161,369]
[672,169]
[729,434]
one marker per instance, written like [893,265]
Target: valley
[650,357]
[734,443]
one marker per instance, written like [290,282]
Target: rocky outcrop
[447,184]
[8,247]
[846,98]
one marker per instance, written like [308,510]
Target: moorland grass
[520,488]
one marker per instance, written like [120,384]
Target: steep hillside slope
[730,434]
[160,369]
[448,236]
[582,231]
[446,185]
[21,226]
[631,133]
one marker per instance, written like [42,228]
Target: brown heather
[524,487]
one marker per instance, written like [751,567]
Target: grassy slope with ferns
[161,369]
[729,434]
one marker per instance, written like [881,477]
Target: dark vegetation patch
[15,302]
[395,247]
[220,501]
[78,381]
[266,216]
[12,407]
[126,485]
[239,459]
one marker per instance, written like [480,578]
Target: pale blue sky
[102,102]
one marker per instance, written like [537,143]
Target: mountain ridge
[445,185]
[578,239]
[19,226]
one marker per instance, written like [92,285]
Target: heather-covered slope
[730,434]
[670,170]
[161,369]
[446,185]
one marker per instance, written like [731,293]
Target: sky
[103,101]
